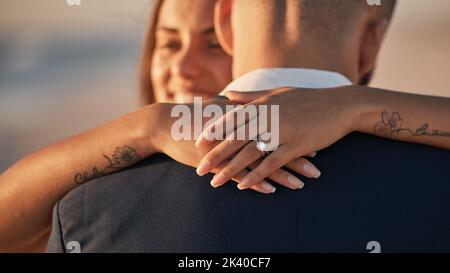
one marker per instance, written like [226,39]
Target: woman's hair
[146,89]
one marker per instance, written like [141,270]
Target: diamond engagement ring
[261,144]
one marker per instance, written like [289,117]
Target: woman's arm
[30,188]
[402,116]
[311,120]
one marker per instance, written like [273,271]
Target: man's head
[337,35]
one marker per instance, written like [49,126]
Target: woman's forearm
[402,116]
[30,188]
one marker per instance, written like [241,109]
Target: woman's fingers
[300,165]
[233,119]
[262,187]
[282,177]
[304,167]
[241,161]
[224,150]
[218,154]
[270,164]
[244,113]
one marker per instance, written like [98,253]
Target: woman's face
[187,60]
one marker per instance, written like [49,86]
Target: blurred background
[65,69]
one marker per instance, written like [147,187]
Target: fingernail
[203,167]
[295,182]
[214,184]
[204,137]
[245,182]
[311,170]
[268,187]
[199,141]
[217,180]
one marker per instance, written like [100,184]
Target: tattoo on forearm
[390,125]
[122,157]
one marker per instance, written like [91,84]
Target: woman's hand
[185,151]
[310,120]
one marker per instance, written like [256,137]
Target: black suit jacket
[371,189]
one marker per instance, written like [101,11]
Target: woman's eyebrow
[206,31]
[167,29]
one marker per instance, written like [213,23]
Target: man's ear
[222,24]
[370,45]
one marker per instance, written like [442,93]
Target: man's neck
[249,58]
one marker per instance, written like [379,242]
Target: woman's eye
[171,46]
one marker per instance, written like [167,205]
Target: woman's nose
[188,64]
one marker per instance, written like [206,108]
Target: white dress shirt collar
[271,78]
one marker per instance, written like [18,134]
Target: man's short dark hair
[326,22]
[331,19]
[338,15]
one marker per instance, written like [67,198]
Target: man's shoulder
[141,177]
[161,205]
[120,202]
[370,189]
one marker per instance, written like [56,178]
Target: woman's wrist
[153,129]
[366,105]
